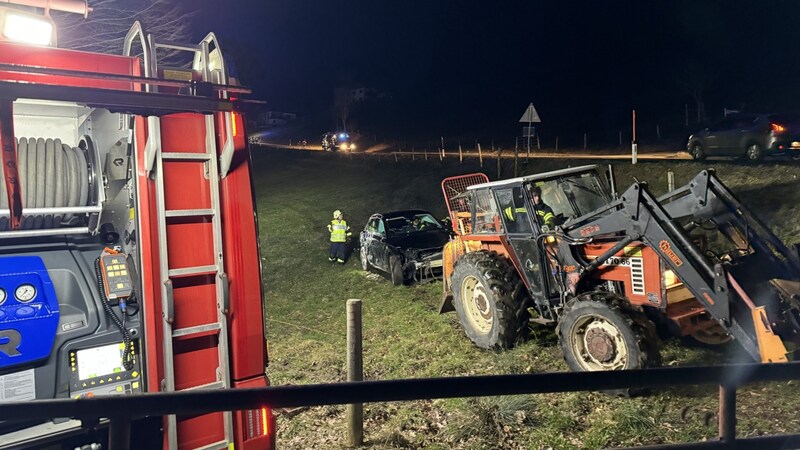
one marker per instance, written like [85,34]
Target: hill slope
[404,337]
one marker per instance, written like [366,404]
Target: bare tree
[105,29]
[693,80]
[342,105]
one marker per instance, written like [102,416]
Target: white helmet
[337,214]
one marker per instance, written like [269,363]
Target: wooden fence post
[498,162]
[355,372]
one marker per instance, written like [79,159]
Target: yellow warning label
[179,75]
[131,214]
[633,252]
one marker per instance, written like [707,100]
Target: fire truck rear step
[190,212]
[185,156]
[192,271]
[196,330]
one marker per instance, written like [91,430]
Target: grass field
[405,337]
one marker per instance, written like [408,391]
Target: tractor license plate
[795,144]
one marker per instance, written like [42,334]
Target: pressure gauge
[2,296]
[25,293]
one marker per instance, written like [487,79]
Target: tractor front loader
[562,248]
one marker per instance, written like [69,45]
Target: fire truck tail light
[234,125]
[27,29]
[264,422]
[256,423]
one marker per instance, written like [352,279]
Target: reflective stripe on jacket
[546,215]
[339,230]
[511,212]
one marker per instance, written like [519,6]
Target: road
[384,150]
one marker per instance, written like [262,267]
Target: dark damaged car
[407,245]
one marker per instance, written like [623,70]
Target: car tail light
[778,128]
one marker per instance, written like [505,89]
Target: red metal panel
[189,310]
[190,244]
[195,361]
[199,431]
[148,244]
[58,58]
[242,262]
[184,133]
[8,159]
[651,267]
[192,192]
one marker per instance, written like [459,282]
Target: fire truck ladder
[170,165]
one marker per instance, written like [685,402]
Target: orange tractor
[563,248]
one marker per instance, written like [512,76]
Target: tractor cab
[525,205]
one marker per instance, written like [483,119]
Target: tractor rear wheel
[490,300]
[601,332]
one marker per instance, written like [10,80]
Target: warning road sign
[530,115]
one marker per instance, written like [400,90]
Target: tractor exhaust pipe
[70,6]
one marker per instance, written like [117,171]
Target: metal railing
[120,410]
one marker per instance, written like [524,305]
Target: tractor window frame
[513,197]
[486,215]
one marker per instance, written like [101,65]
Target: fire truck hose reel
[51,175]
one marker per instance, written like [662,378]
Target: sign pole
[634,149]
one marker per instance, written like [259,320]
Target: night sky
[469,68]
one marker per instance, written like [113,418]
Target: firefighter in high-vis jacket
[543,211]
[340,232]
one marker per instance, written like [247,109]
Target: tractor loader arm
[736,290]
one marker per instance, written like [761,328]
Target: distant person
[543,211]
[340,232]
[419,224]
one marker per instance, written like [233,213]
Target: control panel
[28,311]
[116,277]
[99,370]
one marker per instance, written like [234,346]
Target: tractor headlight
[27,28]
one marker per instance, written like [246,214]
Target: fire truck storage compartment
[62,158]
[61,152]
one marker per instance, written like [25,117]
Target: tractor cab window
[572,196]
[515,212]
[487,214]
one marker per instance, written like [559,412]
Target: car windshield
[411,223]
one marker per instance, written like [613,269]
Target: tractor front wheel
[490,300]
[602,333]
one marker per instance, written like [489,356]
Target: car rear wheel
[697,152]
[754,152]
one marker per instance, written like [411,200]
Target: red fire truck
[129,256]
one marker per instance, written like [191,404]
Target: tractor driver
[543,212]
